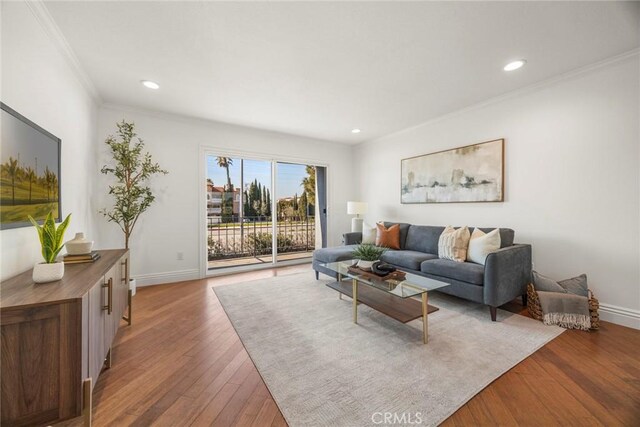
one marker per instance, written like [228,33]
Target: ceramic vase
[43,273]
[79,245]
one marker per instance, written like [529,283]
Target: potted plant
[132,170]
[367,254]
[51,240]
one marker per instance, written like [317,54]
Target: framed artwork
[474,173]
[29,171]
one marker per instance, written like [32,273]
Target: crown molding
[46,21]
[515,93]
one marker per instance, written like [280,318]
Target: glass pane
[238,212]
[403,284]
[296,201]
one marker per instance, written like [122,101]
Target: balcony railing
[252,236]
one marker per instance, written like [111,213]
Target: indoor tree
[132,170]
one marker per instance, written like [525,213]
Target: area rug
[324,370]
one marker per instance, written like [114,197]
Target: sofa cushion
[338,253]
[388,237]
[463,271]
[423,238]
[506,236]
[406,259]
[404,228]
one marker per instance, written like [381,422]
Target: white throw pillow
[453,243]
[482,244]
[368,234]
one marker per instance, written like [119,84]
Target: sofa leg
[524,300]
[493,311]
[317,275]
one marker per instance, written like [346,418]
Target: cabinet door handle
[125,264]
[109,286]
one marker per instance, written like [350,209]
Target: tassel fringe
[568,320]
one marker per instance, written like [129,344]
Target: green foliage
[260,243]
[368,252]
[132,169]
[51,238]
[309,184]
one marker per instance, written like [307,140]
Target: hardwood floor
[181,363]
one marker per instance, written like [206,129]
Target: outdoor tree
[309,184]
[132,170]
[227,196]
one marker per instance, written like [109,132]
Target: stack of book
[78,259]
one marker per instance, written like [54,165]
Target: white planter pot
[365,265]
[43,273]
[132,286]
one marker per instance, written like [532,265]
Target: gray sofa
[504,276]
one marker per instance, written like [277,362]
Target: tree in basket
[51,241]
[132,169]
[367,254]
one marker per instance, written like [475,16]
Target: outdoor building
[214,202]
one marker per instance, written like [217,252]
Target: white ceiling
[320,69]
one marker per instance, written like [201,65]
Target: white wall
[38,82]
[172,224]
[572,166]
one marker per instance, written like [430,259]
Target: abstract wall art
[474,173]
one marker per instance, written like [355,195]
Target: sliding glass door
[261,212]
[295,209]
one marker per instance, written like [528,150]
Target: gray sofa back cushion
[423,238]
[404,228]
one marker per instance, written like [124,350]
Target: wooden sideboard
[56,338]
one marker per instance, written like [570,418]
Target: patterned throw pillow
[369,234]
[453,243]
[482,244]
[388,237]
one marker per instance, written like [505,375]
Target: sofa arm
[507,272]
[352,238]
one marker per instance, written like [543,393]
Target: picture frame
[468,174]
[30,171]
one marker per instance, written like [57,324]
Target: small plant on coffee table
[367,254]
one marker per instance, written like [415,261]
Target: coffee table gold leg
[425,324]
[339,280]
[355,300]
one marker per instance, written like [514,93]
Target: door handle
[125,264]
[109,286]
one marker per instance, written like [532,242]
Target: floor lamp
[357,209]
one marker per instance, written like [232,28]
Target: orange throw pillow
[388,237]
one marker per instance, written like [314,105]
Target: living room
[226,323]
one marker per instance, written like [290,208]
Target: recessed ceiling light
[150,84]
[355,130]
[514,65]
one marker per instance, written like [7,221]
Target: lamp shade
[356,208]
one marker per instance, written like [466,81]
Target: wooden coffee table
[396,297]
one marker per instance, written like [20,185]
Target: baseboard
[166,277]
[620,315]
